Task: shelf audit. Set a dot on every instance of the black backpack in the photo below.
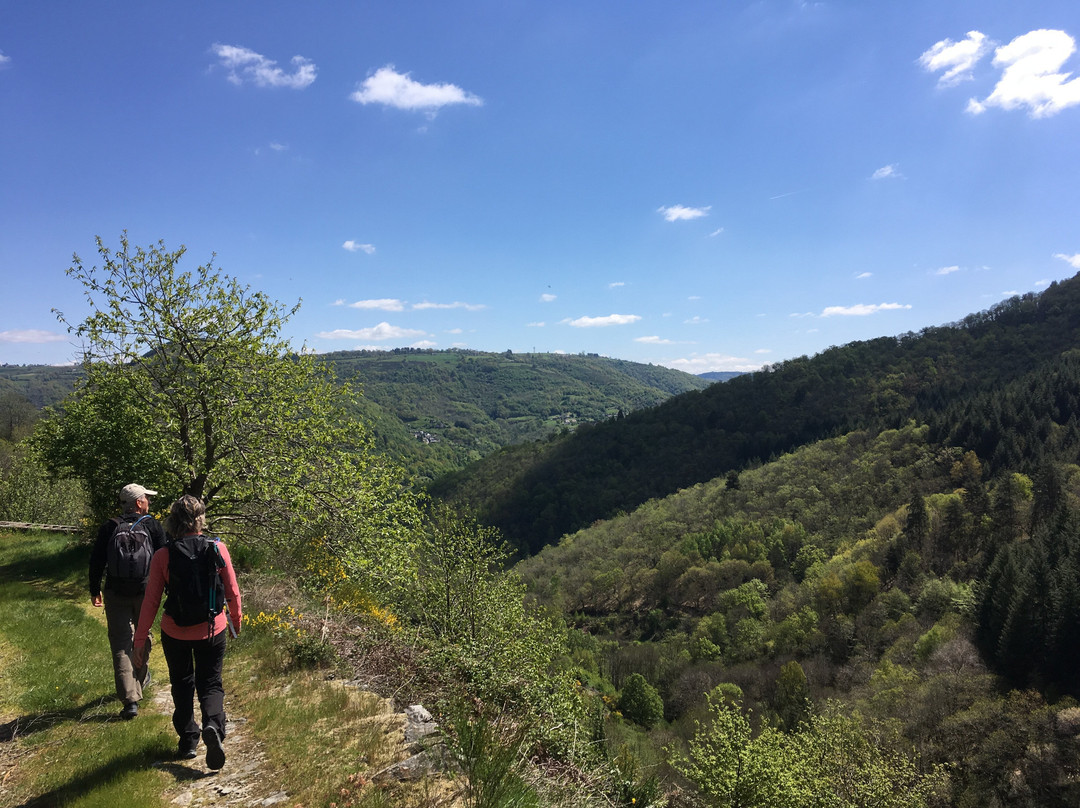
(128, 556)
(196, 593)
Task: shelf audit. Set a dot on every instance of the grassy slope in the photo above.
(61, 743)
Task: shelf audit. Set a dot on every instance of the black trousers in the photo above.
(195, 667)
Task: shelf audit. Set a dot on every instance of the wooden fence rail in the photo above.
(28, 526)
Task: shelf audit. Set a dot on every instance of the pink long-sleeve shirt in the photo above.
(155, 587)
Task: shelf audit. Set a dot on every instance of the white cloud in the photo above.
(716, 232)
(383, 331)
(275, 146)
(696, 320)
(244, 64)
(4, 59)
(454, 305)
(947, 270)
(424, 343)
(599, 322)
(957, 59)
(354, 246)
(540, 324)
(889, 172)
(31, 335)
(763, 351)
(382, 304)
(1043, 282)
(676, 213)
(1032, 76)
(616, 284)
(861, 309)
(654, 340)
(387, 86)
(1071, 260)
(547, 298)
(862, 275)
(706, 363)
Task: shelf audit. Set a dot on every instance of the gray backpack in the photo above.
(128, 556)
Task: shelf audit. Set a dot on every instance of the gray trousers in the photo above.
(122, 616)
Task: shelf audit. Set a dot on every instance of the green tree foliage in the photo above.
(188, 387)
(1007, 379)
(640, 702)
(29, 493)
(835, 760)
(791, 701)
(1030, 606)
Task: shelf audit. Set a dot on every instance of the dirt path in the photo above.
(243, 781)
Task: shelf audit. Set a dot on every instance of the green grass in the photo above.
(57, 702)
(62, 743)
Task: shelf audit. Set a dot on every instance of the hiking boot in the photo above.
(215, 752)
(186, 751)
(131, 709)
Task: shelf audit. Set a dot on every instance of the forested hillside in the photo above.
(438, 410)
(946, 376)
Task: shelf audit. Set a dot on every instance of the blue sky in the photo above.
(702, 185)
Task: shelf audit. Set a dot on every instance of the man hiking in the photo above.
(123, 549)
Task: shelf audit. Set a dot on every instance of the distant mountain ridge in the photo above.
(436, 411)
(537, 494)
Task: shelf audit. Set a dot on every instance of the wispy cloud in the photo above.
(861, 309)
(1071, 260)
(616, 284)
(716, 232)
(454, 305)
(956, 59)
(706, 363)
(947, 270)
(600, 322)
(4, 59)
(380, 332)
(355, 246)
(863, 275)
(399, 90)
(889, 172)
(245, 65)
(31, 335)
(654, 340)
(547, 297)
(1032, 78)
(379, 304)
(676, 213)
(696, 320)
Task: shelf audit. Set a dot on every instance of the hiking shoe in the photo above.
(186, 751)
(215, 752)
(131, 709)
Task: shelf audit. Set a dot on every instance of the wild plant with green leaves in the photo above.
(190, 388)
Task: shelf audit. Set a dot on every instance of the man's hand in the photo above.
(96, 600)
(138, 656)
